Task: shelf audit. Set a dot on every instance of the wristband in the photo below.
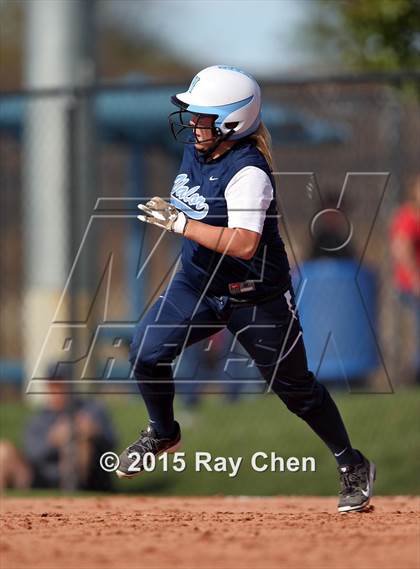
(180, 223)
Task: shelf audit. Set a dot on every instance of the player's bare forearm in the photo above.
(236, 242)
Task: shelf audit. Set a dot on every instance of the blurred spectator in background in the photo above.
(62, 445)
(405, 247)
(340, 330)
(198, 365)
(205, 362)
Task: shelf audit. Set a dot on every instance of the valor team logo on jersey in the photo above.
(188, 199)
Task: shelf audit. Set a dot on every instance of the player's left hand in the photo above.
(163, 214)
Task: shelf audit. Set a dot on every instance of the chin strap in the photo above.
(205, 154)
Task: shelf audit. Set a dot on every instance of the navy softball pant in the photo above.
(270, 332)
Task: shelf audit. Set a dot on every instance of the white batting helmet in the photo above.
(229, 94)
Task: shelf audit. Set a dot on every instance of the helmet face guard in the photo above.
(184, 129)
(186, 133)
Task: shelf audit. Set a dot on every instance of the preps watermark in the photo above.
(203, 461)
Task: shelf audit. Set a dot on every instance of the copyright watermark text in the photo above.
(203, 461)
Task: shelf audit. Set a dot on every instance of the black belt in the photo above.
(258, 299)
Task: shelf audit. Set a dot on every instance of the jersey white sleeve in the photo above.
(248, 196)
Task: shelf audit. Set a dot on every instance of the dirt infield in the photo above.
(133, 532)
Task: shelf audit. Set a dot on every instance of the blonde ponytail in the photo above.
(262, 140)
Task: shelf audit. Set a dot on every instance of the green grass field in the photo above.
(385, 427)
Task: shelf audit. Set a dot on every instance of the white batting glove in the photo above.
(163, 214)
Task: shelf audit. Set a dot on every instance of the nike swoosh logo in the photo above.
(212, 179)
(340, 453)
(366, 492)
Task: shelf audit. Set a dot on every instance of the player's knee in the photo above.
(142, 354)
(301, 396)
(148, 363)
(300, 406)
(144, 364)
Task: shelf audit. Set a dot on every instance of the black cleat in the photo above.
(356, 485)
(131, 460)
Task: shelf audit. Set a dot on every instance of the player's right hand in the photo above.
(163, 214)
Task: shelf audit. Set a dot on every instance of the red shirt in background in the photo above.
(406, 223)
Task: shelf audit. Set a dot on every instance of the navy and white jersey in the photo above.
(206, 192)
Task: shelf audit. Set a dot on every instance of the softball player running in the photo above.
(234, 273)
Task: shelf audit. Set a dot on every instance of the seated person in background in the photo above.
(62, 445)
